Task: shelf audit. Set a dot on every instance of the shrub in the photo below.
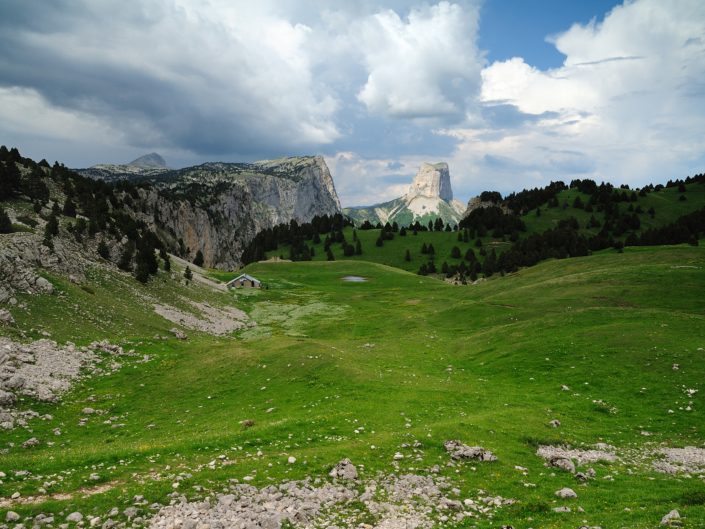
(69, 208)
(682, 198)
(142, 274)
(248, 424)
(88, 289)
(347, 252)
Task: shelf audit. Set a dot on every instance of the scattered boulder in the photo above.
(45, 394)
(130, 512)
(565, 388)
(563, 463)
(458, 450)
(345, 470)
(566, 493)
(11, 517)
(555, 423)
(87, 411)
(561, 509)
(6, 318)
(179, 334)
(44, 286)
(7, 399)
(74, 517)
(671, 518)
(30, 442)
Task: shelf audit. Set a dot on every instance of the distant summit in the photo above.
(149, 159)
(430, 196)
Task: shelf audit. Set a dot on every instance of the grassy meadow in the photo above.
(397, 358)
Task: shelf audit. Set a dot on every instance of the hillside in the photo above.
(666, 203)
(214, 209)
(366, 371)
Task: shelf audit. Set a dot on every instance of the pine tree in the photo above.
(198, 261)
(431, 249)
(358, 247)
(424, 248)
(316, 238)
(330, 255)
(354, 235)
(431, 267)
(538, 212)
(188, 274)
(380, 241)
(407, 256)
(142, 273)
(465, 235)
(455, 252)
(167, 263)
(460, 237)
(444, 267)
(305, 255)
(402, 232)
(69, 208)
(470, 255)
(478, 243)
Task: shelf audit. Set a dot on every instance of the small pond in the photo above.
(355, 279)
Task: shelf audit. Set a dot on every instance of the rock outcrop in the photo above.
(430, 196)
(432, 180)
(476, 203)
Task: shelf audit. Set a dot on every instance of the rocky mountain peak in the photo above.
(432, 180)
(149, 159)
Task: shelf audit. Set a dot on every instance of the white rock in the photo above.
(291, 460)
(74, 517)
(673, 515)
(566, 493)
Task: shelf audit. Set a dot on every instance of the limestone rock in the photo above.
(555, 423)
(7, 399)
(458, 450)
(671, 518)
(181, 335)
(74, 517)
(6, 318)
(344, 470)
(11, 517)
(566, 493)
(432, 181)
(563, 463)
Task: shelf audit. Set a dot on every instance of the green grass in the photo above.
(616, 321)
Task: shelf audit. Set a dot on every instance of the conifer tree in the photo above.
(478, 243)
(330, 255)
(465, 235)
(316, 238)
(380, 241)
(424, 248)
(354, 235)
(402, 232)
(358, 247)
(188, 274)
(407, 256)
(460, 237)
(167, 263)
(431, 249)
(198, 261)
(455, 252)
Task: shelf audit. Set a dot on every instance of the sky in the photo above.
(511, 94)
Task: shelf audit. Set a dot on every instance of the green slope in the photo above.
(610, 327)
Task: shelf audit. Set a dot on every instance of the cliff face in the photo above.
(218, 208)
(432, 181)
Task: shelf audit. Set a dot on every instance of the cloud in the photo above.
(427, 66)
(216, 77)
(626, 106)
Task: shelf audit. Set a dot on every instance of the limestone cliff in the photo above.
(218, 207)
(430, 196)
